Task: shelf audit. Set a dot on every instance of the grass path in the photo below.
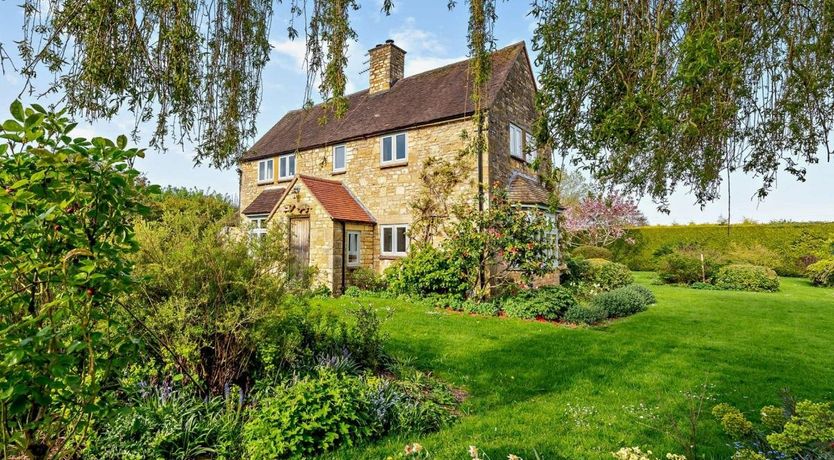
(564, 392)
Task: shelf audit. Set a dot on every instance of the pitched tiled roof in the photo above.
(526, 190)
(439, 94)
(336, 199)
(265, 202)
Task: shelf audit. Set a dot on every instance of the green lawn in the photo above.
(565, 392)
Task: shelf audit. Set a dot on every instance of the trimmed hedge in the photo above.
(607, 275)
(621, 302)
(746, 277)
(822, 273)
(797, 244)
(592, 252)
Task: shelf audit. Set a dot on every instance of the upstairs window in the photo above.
(516, 140)
(265, 171)
(394, 240)
(352, 249)
(286, 166)
(257, 229)
(530, 147)
(339, 158)
(394, 148)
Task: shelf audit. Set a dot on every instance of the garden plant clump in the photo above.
(744, 277)
(821, 273)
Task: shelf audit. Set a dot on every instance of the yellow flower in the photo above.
(473, 452)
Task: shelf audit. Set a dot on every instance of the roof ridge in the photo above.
(320, 179)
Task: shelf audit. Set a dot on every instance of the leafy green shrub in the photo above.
(352, 291)
(366, 279)
(642, 291)
(166, 424)
(549, 303)
(582, 314)
(576, 270)
(821, 273)
(621, 302)
(485, 308)
(742, 277)
(306, 418)
(606, 275)
(753, 253)
(427, 270)
(592, 252)
(684, 267)
(801, 430)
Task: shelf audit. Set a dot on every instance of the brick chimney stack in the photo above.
(387, 66)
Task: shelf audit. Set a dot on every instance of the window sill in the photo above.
(285, 180)
(393, 164)
(266, 182)
(391, 256)
(339, 172)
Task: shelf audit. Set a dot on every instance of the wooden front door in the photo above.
(300, 243)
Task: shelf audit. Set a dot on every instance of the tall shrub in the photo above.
(67, 207)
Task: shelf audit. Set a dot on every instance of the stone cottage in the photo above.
(344, 188)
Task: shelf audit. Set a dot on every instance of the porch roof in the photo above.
(265, 202)
(526, 190)
(337, 200)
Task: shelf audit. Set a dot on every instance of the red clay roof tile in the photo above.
(265, 202)
(336, 199)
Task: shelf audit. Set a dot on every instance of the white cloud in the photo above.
(291, 53)
(416, 40)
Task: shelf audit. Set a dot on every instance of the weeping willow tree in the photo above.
(193, 68)
(659, 95)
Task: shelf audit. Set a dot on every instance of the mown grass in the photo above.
(565, 393)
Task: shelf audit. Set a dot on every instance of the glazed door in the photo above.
(300, 243)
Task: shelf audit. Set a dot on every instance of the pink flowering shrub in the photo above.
(602, 220)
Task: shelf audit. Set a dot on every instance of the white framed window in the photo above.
(339, 158)
(286, 166)
(266, 172)
(353, 249)
(394, 148)
(530, 148)
(516, 140)
(394, 239)
(257, 229)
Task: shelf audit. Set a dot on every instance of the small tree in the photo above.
(502, 238)
(67, 207)
(601, 220)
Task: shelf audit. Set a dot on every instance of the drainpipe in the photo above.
(344, 255)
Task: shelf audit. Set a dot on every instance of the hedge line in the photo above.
(798, 244)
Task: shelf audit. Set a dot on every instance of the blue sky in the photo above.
(432, 36)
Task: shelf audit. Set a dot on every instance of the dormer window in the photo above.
(265, 171)
(286, 166)
(394, 149)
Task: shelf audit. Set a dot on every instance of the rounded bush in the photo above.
(549, 302)
(592, 252)
(685, 268)
(581, 314)
(427, 270)
(642, 291)
(606, 275)
(745, 277)
(821, 273)
(313, 415)
(621, 302)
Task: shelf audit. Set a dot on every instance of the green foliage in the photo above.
(366, 279)
(621, 302)
(592, 252)
(803, 429)
(796, 244)
(605, 275)
(585, 314)
(165, 424)
(67, 207)
(753, 254)
(485, 308)
(310, 416)
(822, 273)
(352, 291)
(576, 270)
(549, 303)
(206, 294)
(677, 108)
(686, 267)
(427, 270)
(644, 292)
(743, 277)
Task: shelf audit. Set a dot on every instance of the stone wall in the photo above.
(387, 65)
